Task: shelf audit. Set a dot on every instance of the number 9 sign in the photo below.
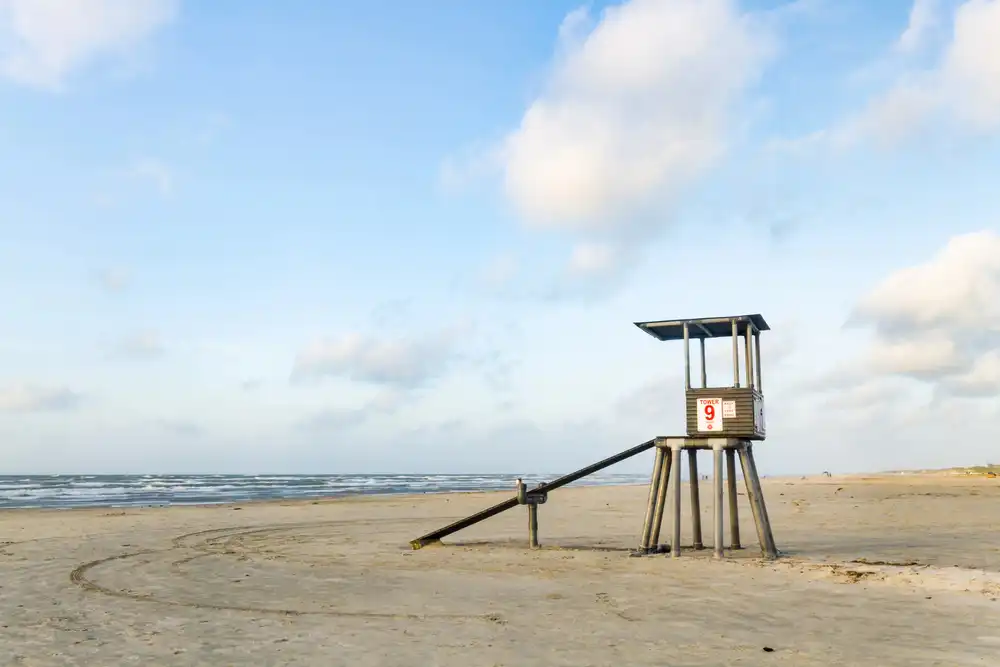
(709, 414)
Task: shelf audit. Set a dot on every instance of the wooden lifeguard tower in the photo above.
(726, 419)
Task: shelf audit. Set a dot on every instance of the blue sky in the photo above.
(318, 237)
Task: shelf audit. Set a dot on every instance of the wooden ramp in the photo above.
(541, 489)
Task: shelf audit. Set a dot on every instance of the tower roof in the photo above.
(703, 327)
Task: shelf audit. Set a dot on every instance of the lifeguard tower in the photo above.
(725, 419)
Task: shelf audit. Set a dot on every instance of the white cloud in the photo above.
(653, 399)
(403, 363)
(588, 259)
(964, 86)
(181, 428)
(892, 117)
(880, 400)
(391, 312)
(638, 104)
(140, 345)
(500, 270)
(939, 321)
(155, 172)
(114, 280)
(923, 18)
(32, 398)
(930, 355)
(981, 380)
(635, 109)
(971, 69)
(386, 402)
(957, 288)
(44, 41)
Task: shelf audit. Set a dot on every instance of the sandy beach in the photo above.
(879, 570)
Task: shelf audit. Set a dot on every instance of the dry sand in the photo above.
(334, 583)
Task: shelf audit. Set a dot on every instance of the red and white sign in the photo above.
(709, 415)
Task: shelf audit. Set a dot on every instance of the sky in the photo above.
(414, 237)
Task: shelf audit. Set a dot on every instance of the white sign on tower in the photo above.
(758, 415)
(709, 415)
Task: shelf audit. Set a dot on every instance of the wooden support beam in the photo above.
(661, 498)
(533, 525)
(695, 500)
(734, 515)
(756, 496)
(645, 542)
(435, 536)
(717, 454)
(767, 543)
(675, 480)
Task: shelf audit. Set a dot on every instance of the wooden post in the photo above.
(755, 495)
(687, 357)
(756, 342)
(533, 524)
(654, 487)
(748, 355)
(695, 501)
(734, 516)
(736, 355)
(718, 498)
(661, 499)
(675, 479)
(704, 368)
(768, 545)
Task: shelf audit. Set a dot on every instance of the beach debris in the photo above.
(768, 649)
(888, 563)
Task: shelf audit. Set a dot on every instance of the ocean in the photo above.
(67, 491)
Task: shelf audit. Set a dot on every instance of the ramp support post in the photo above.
(532, 500)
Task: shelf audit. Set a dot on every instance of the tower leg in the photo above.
(756, 496)
(772, 549)
(734, 515)
(654, 486)
(675, 480)
(695, 501)
(661, 499)
(718, 497)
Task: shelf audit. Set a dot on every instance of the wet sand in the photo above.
(887, 571)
